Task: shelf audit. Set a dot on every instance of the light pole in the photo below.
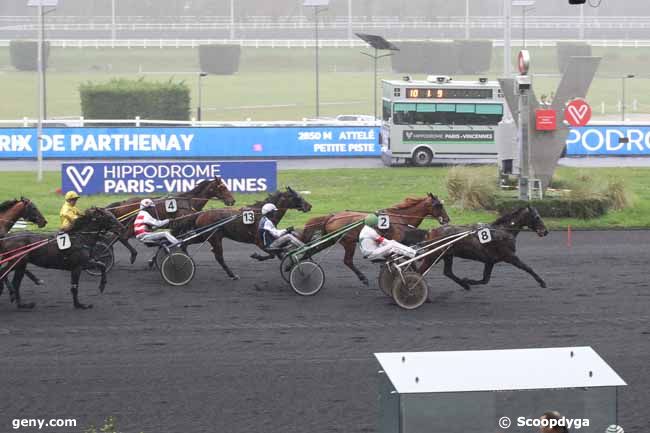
(526, 6)
(377, 43)
(623, 95)
(507, 38)
(319, 6)
(232, 19)
(200, 96)
(466, 19)
(41, 4)
(113, 29)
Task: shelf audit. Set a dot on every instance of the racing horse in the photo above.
(237, 230)
(13, 210)
(187, 202)
(502, 247)
(46, 252)
(403, 217)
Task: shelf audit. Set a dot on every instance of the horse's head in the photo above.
(438, 209)
(290, 199)
(219, 190)
(32, 214)
(97, 220)
(535, 222)
(526, 216)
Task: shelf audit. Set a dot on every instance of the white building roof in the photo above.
(497, 370)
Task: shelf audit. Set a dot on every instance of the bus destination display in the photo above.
(443, 93)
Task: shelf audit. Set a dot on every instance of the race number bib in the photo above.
(171, 206)
(384, 222)
(63, 241)
(484, 236)
(248, 217)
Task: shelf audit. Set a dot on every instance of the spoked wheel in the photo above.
(386, 279)
(101, 252)
(411, 292)
(286, 265)
(177, 269)
(307, 278)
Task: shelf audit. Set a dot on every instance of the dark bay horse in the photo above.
(187, 202)
(403, 216)
(237, 230)
(13, 210)
(76, 257)
(501, 248)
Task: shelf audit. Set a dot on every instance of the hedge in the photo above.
(566, 50)
(126, 99)
(219, 59)
(557, 208)
(24, 54)
(432, 57)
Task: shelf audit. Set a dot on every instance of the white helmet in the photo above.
(267, 208)
(147, 202)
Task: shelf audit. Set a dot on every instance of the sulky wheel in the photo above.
(411, 291)
(177, 269)
(101, 252)
(386, 279)
(307, 278)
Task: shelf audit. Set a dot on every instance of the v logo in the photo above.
(578, 113)
(81, 178)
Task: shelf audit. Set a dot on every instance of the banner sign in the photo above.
(609, 140)
(191, 142)
(159, 178)
(446, 136)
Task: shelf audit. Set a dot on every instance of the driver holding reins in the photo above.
(144, 225)
(271, 237)
(375, 246)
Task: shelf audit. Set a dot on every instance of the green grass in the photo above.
(363, 189)
(277, 84)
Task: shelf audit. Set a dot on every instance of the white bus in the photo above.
(438, 118)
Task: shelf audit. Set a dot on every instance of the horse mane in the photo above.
(6, 205)
(408, 202)
(269, 199)
(83, 219)
(198, 188)
(507, 217)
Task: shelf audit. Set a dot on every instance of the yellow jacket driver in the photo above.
(69, 211)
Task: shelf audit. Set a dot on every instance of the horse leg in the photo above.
(19, 272)
(102, 268)
(487, 273)
(75, 274)
(34, 278)
(348, 260)
(217, 250)
(449, 273)
(124, 240)
(516, 262)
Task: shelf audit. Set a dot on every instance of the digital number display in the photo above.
(440, 93)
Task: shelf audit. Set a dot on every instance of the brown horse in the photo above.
(237, 230)
(409, 213)
(13, 210)
(501, 248)
(187, 202)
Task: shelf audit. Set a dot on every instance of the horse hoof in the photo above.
(26, 306)
(83, 306)
(542, 285)
(365, 283)
(101, 288)
(132, 259)
(39, 282)
(234, 277)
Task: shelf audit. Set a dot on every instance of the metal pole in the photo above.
(316, 61)
(198, 109)
(41, 95)
(507, 38)
(582, 22)
(113, 29)
(232, 19)
(375, 84)
(466, 19)
(623, 100)
(349, 19)
(523, 18)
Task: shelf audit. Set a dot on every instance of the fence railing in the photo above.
(302, 43)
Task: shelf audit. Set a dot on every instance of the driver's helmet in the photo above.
(268, 208)
(71, 195)
(146, 203)
(371, 220)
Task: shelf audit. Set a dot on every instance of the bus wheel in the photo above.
(422, 157)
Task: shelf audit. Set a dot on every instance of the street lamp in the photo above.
(526, 6)
(623, 95)
(378, 43)
(319, 6)
(41, 4)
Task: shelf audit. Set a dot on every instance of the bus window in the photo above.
(386, 111)
(447, 114)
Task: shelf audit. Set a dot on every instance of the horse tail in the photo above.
(314, 226)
